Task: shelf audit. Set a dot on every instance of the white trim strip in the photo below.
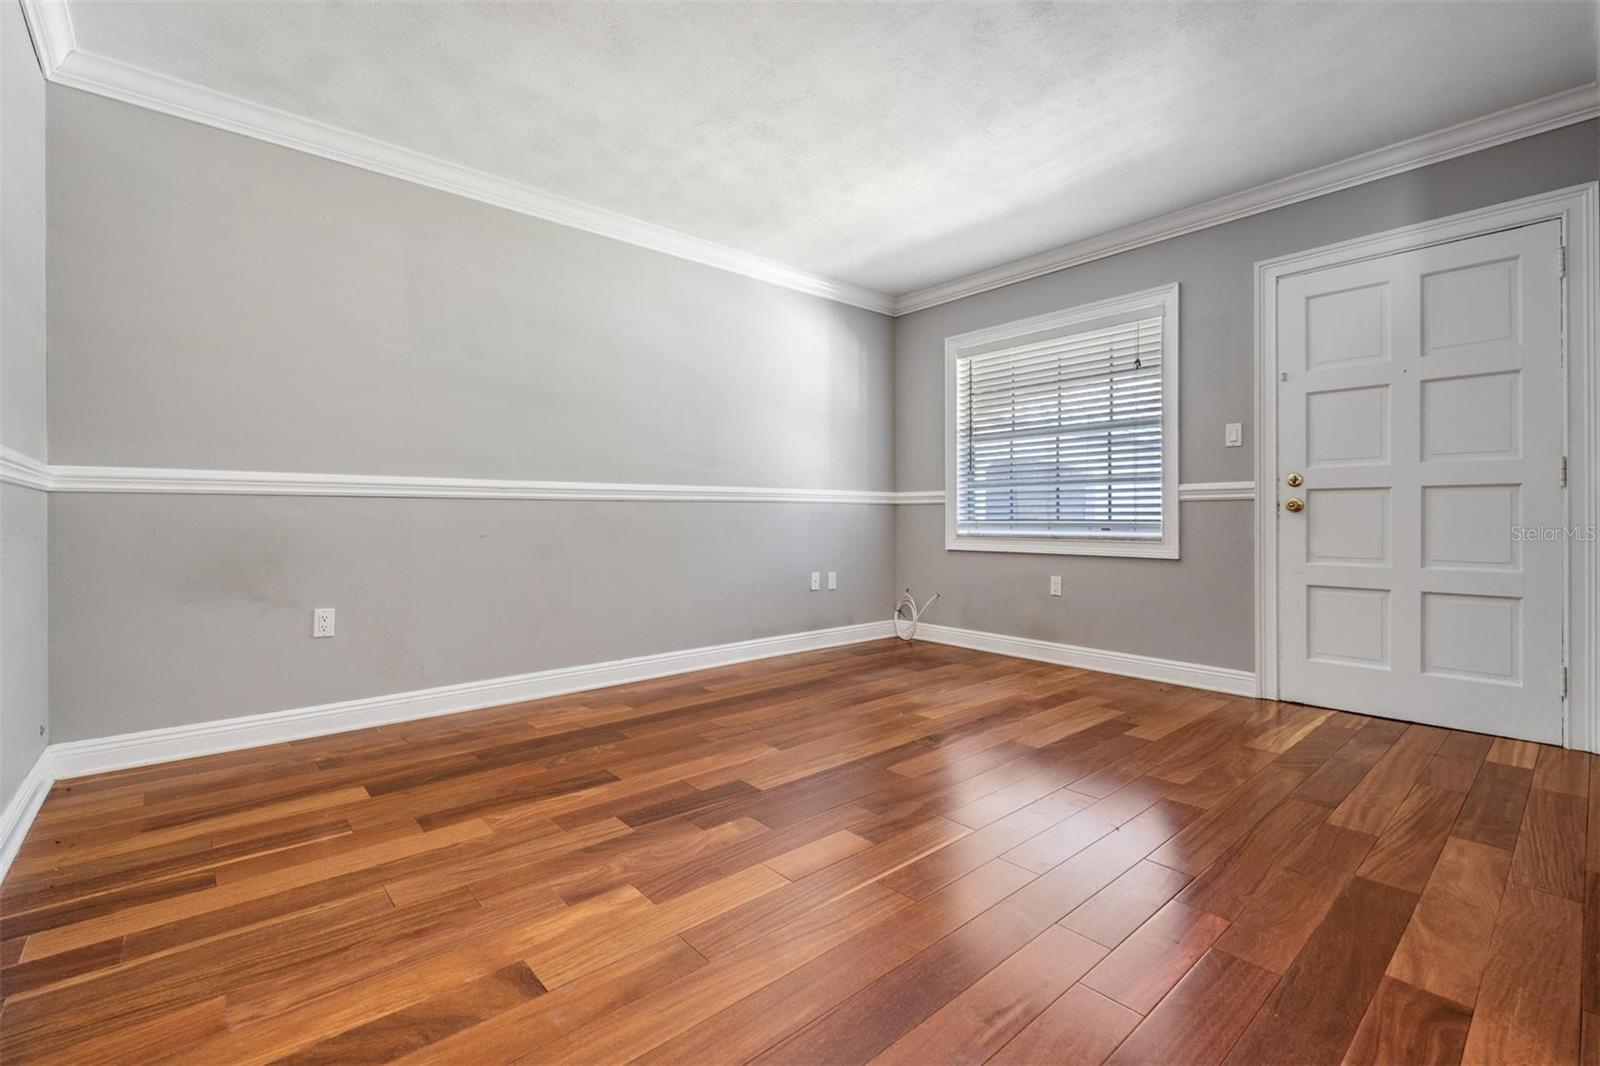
(80, 757)
(1525, 120)
(17, 816)
(1193, 675)
(273, 483)
(24, 470)
(19, 469)
(1188, 492)
(1198, 491)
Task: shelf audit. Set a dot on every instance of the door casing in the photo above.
(1578, 210)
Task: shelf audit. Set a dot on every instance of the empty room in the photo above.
(799, 532)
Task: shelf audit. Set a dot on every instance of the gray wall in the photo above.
(218, 302)
(22, 238)
(221, 302)
(1199, 608)
(24, 669)
(183, 608)
(24, 626)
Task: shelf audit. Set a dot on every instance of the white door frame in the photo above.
(1578, 210)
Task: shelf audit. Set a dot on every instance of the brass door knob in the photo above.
(1294, 481)
(1293, 504)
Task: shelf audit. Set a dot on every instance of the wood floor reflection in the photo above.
(889, 853)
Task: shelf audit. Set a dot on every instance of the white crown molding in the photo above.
(66, 64)
(24, 470)
(1192, 675)
(80, 757)
(63, 62)
(1525, 120)
(18, 814)
(50, 26)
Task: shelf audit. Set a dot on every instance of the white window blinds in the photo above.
(1063, 437)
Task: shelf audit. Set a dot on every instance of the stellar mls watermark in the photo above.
(1555, 534)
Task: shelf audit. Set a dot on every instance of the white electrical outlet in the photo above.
(833, 580)
(816, 580)
(322, 622)
(1055, 584)
(1233, 435)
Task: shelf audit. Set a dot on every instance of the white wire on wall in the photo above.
(907, 614)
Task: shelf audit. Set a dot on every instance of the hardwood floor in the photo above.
(885, 853)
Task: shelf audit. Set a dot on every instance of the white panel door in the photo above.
(1420, 399)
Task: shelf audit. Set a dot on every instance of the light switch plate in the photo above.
(1233, 435)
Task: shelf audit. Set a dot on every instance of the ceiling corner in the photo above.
(50, 26)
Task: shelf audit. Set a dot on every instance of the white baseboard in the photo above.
(17, 816)
(1192, 675)
(80, 757)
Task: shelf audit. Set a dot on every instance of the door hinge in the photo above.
(1561, 261)
(1563, 471)
(1563, 682)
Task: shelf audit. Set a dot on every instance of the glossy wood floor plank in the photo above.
(1081, 1026)
(1549, 852)
(1527, 1008)
(1111, 914)
(974, 1025)
(1313, 1014)
(1144, 967)
(1202, 1017)
(1492, 813)
(1286, 908)
(1407, 1025)
(909, 853)
(1446, 946)
(1405, 854)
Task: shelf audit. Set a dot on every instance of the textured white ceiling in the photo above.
(889, 145)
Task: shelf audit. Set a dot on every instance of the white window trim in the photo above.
(1165, 297)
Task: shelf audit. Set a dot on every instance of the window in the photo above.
(1062, 431)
